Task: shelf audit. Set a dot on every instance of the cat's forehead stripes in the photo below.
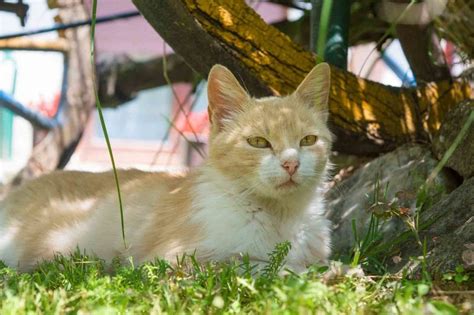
(281, 120)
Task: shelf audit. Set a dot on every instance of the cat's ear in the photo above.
(314, 90)
(225, 94)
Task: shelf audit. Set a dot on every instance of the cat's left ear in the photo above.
(225, 94)
(314, 90)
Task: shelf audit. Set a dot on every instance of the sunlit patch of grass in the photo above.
(84, 284)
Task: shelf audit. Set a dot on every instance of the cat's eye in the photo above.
(308, 140)
(259, 142)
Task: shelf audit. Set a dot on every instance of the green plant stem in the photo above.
(323, 27)
(315, 18)
(102, 121)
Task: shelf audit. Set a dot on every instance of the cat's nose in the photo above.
(291, 166)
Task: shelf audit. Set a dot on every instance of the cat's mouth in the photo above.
(288, 184)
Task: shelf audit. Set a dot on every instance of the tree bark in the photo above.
(194, 44)
(23, 43)
(367, 117)
(120, 79)
(456, 24)
(54, 146)
(423, 52)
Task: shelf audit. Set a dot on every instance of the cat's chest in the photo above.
(230, 227)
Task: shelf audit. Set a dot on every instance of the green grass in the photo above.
(79, 284)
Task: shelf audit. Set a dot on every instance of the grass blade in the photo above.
(102, 121)
(323, 27)
(452, 148)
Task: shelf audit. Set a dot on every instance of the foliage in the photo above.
(459, 275)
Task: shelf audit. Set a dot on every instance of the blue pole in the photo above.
(406, 76)
(32, 116)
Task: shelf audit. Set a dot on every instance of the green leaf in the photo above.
(448, 276)
(443, 308)
(423, 289)
(459, 269)
(460, 278)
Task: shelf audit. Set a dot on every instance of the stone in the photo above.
(387, 186)
(448, 231)
(462, 159)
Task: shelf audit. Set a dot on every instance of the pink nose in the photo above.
(291, 166)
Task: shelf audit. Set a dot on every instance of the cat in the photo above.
(261, 185)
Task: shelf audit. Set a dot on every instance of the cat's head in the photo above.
(274, 146)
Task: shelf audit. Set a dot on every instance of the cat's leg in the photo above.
(312, 244)
(8, 248)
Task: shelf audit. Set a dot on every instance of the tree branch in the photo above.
(423, 52)
(180, 30)
(366, 116)
(120, 79)
(23, 43)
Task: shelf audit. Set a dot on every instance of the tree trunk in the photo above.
(418, 39)
(367, 117)
(54, 146)
(423, 52)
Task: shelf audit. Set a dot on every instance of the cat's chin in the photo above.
(282, 190)
(288, 185)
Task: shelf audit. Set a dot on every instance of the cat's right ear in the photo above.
(314, 90)
(225, 94)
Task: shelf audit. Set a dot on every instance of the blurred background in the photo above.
(155, 106)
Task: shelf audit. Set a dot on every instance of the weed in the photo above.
(459, 275)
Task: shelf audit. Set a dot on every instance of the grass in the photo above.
(79, 284)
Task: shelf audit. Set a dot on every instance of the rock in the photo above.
(449, 233)
(384, 186)
(462, 160)
(467, 255)
(344, 165)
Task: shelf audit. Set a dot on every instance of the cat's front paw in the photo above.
(338, 270)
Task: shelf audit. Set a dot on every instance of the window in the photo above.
(200, 105)
(146, 118)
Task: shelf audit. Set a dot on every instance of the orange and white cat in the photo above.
(260, 186)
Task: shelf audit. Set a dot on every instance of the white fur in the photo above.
(235, 223)
(271, 174)
(7, 245)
